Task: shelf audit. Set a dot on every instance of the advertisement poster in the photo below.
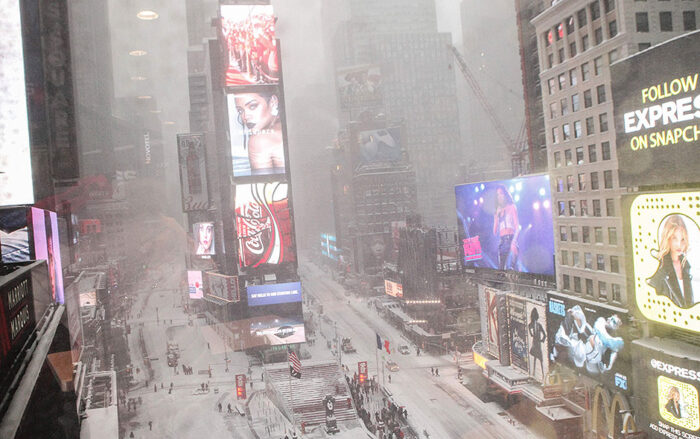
(393, 288)
(538, 359)
(249, 35)
(377, 249)
(665, 233)
(494, 309)
(53, 248)
(193, 172)
(222, 287)
(379, 146)
(264, 224)
(14, 235)
(273, 294)
(194, 282)
(203, 234)
(255, 129)
(517, 328)
(507, 225)
(589, 338)
(656, 103)
(359, 86)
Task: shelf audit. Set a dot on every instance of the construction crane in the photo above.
(517, 147)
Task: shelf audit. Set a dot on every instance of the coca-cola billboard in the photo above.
(264, 224)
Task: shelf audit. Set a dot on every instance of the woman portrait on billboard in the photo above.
(673, 405)
(204, 234)
(538, 335)
(506, 227)
(672, 277)
(259, 115)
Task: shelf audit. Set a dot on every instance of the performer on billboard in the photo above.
(507, 228)
(259, 114)
(204, 232)
(673, 405)
(538, 336)
(672, 278)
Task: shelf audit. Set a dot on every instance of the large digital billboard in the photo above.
(203, 234)
(379, 146)
(517, 330)
(359, 86)
(14, 235)
(664, 245)
(507, 225)
(255, 129)
(666, 375)
(376, 249)
(394, 289)
(656, 104)
(193, 172)
(15, 158)
(589, 338)
(195, 284)
(264, 224)
(538, 360)
(222, 287)
(249, 35)
(273, 294)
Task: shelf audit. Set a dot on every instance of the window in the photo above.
(576, 260)
(567, 131)
(595, 10)
(614, 264)
(612, 236)
(578, 132)
(602, 290)
(596, 207)
(548, 38)
(587, 99)
(607, 179)
(555, 135)
(551, 86)
(612, 56)
(590, 128)
(579, 155)
(592, 154)
(598, 36)
(665, 21)
(603, 120)
(559, 31)
(557, 159)
(567, 157)
(584, 207)
(552, 110)
(562, 81)
(562, 208)
(586, 235)
(572, 209)
(642, 20)
(566, 283)
(569, 183)
(608, 5)
(562, 233)
(600, 92)
(564, 257)
(550, 60)
(689, 22)
(612, 28)
(560, 184)
(572, 49)
(643, 46)
(585, 71)
(570, 25)
(562, 57)
(597, 65)
(598, 234)
(582, 182)
(575, 105)
(594, 182)
(616, 294)
(589, 287)
(585, 44)
(564, 107)
(610, 206)
(600, 259)
(605, 148)
(573, 77)
(574, 234)
(581, 17)
(577, 284)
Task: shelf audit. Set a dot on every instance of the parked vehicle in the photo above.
(392, 366)
(404, 349)
(347, 346)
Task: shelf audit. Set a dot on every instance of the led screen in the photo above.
(203, 234)
(272, 294)
(538, 360)
(507, 225)
(376, 249)
(379, 146)
(589, 339)
(393, 288)
(15, 158)
(492, 306)
(194, 282)
(656, 101)
(264, 224)
(665, 233)
(359, 86)
(255, 128)
(328, 246)
(517, 329)
(14, 235)
(249, 35)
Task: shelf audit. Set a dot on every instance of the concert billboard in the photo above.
(273, 294)
(193, 172)
(507, 225)
(517, 329)
(222, 287)
(590, 338)
(656, 103)
(379, 146)
(359, 86)
(666, 375)
(204, 242)
(15, 156)
(255, 131)
(195, 284)
(14, 235)
(663, 232)
(393, 288)
(264, 225)
(248, 33)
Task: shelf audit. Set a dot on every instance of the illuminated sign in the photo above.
(393, 288)
(656, 99)
(329, 247)
(480, 360)
(240, 387)
(222, 287)
(664, 233)
(362, 371)
(359, 86)
(203, 234)
(517, 328)
(272, 294)
(194, 282)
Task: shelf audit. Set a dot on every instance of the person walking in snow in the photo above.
(219, 407)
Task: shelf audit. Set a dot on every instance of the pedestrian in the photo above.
(432, 371)
(132, 434)
(171, 384)
(229, 407)
(389, 378)
(146, 383)
(208, 347)
(161, 384)
(150, 425)
(219, 407)
(437, 372)
(155, 388)
(140, 401)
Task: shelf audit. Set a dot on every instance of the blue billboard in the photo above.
(507, 225)
(273, 294)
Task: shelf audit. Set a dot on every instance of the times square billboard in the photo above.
(656, 103)
(662, 243)
(527, 331)
(507, 225)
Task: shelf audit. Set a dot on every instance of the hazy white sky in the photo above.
(449, 19)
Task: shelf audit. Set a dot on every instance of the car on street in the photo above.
(392, 366)
(404, 349)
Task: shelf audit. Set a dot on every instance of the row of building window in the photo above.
(588, 261)
(569, 208)
(665, 21)
(576, 129)
(602, 288)
(563, 108)
(581, 18)
(580, 159)
(571, 184)
(586, 237)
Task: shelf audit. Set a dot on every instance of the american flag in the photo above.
(294, 364)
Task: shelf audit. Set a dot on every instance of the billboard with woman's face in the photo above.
(203, 234)
(664, 235)
(255, 128)
(507, 225)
